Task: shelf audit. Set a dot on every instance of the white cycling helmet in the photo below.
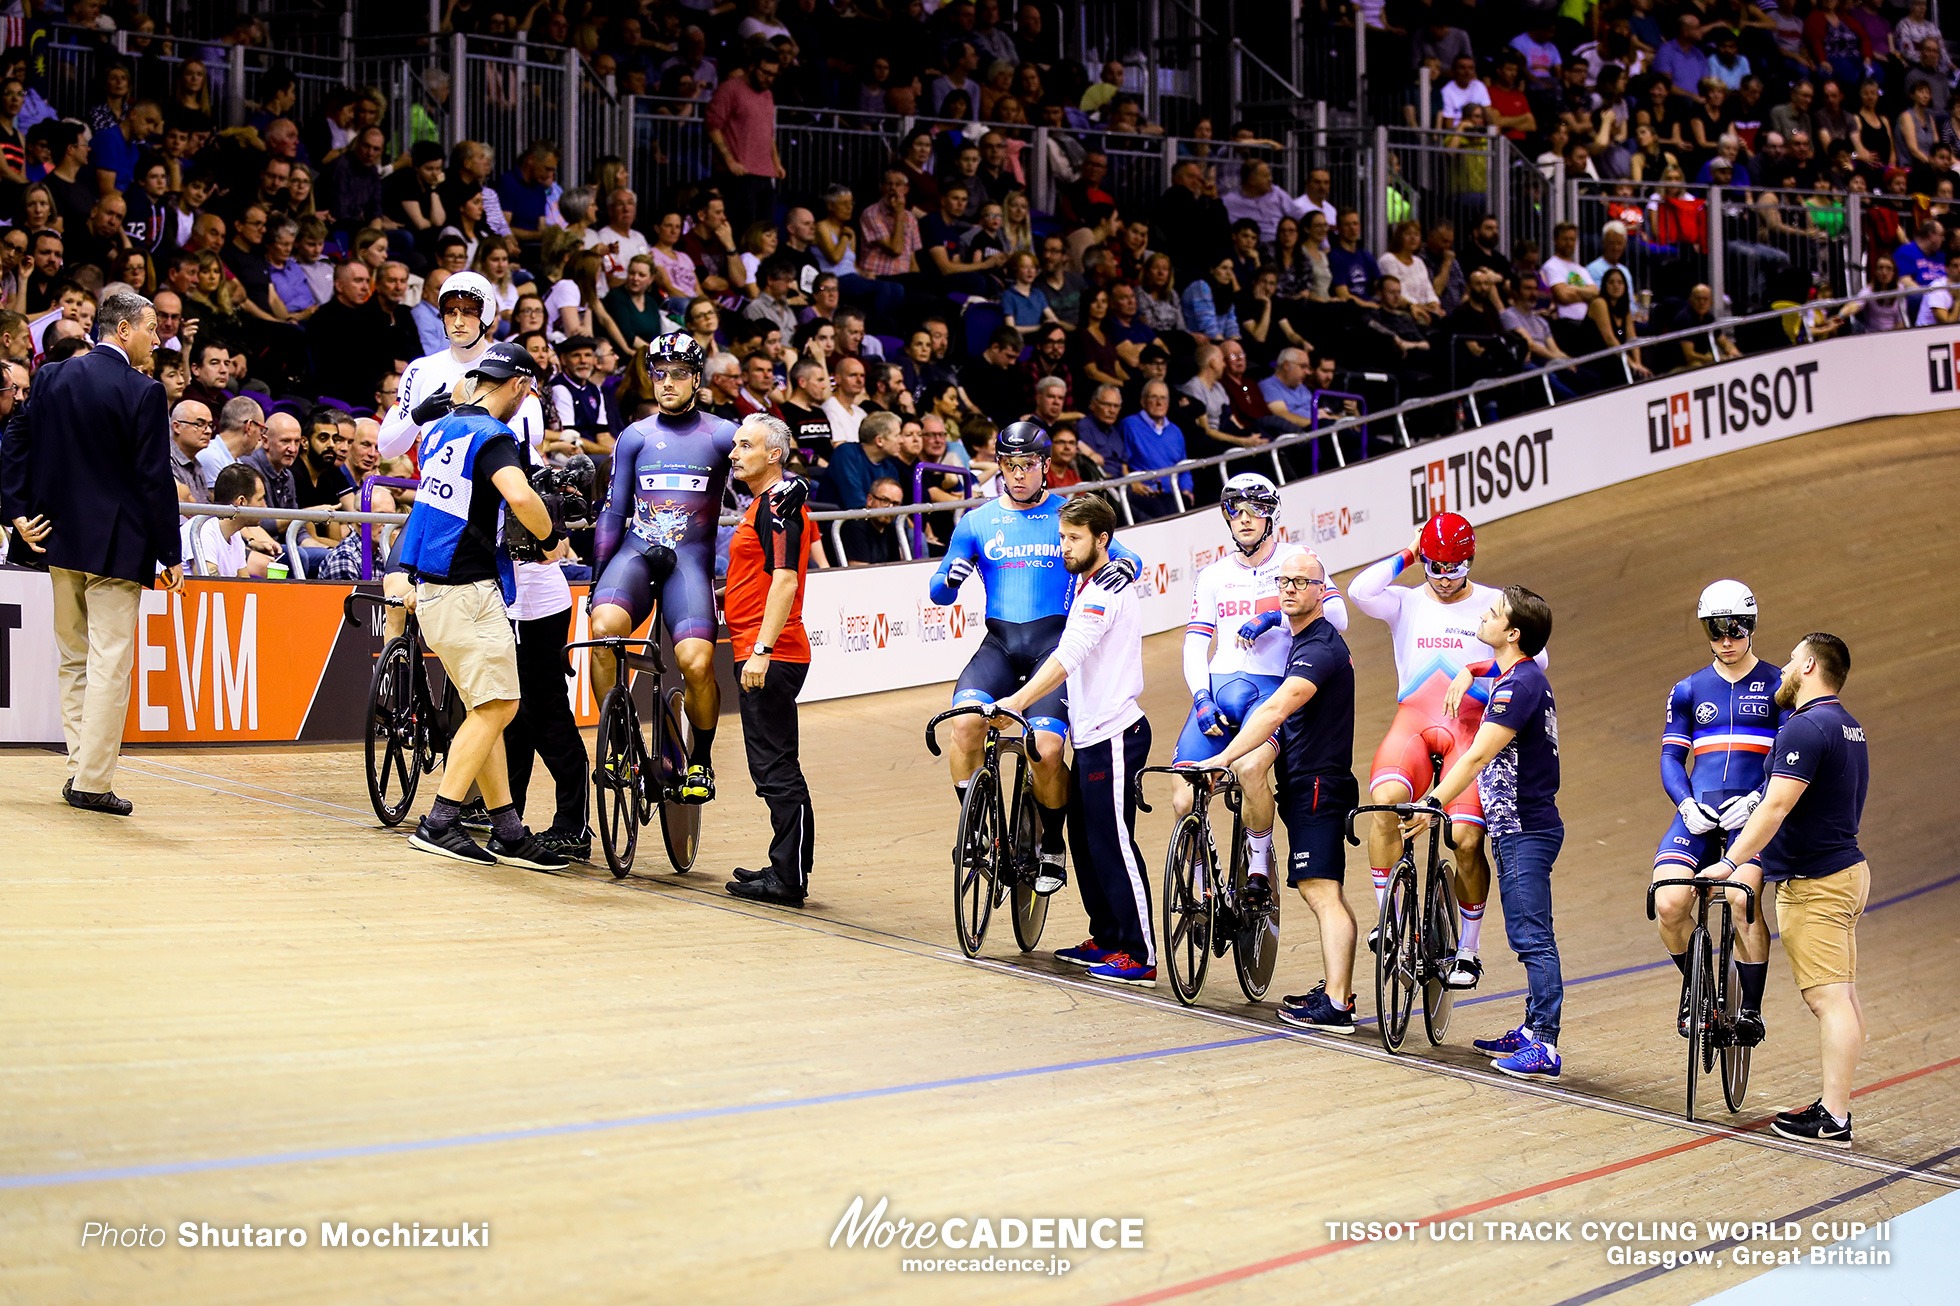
(1727, 607)
(1250, 489)
(475, 286)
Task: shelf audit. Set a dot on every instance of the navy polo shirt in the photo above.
(1519, 787)
(1318, 740)
(1823, 746)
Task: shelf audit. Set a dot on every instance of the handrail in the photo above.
(367, 505)
(919, 496)
(1158, 473)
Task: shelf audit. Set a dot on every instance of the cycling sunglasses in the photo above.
(1729, 627)
(678, 373)
(1445, 570)
(1021, 463)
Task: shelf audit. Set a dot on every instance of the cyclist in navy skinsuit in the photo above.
(668, 471)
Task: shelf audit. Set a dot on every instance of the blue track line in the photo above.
(60, 1178)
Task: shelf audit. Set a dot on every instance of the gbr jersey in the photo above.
(1228, 594)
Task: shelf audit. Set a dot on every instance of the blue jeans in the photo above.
(1524, 885)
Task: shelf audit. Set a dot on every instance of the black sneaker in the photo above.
(743, 875)
(767, 888)
(1814, 1125)
(475, 816)
(1319, 1012)
(528, 852)
(1748, 1029)
(572, 845)
(1258, 892)
(453, 842)
(1302, 999)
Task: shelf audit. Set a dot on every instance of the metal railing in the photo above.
(1269, 451)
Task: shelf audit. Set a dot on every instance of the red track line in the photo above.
(1551, 1185)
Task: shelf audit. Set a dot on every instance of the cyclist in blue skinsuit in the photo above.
(669, 471)
(1725, 716)
(1014, 543)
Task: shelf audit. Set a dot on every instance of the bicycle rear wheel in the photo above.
(1030, 908)
(1255, 947)
(1700, 1008)
(393, 733)
(617, 779)
(1189, 905)
(1439, 939)
(1395, 957)
(976, 862)
(680, 823)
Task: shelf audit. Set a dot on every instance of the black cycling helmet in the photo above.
(500, 362)
(678, 347)
(1021, 438)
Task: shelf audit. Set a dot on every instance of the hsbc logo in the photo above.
(1745, 403)
(1939, 367)
(1333, 523)
(1484, 475)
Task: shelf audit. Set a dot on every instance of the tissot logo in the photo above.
(1734, 406)
(1939, 366)
(1491, 471)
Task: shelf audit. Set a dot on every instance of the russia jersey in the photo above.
(1228, 593)
(1433, 640)
(668, 473)
(1018, 554)
(1727, 728)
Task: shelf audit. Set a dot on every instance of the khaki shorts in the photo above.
(466, 626)
(1819, 920)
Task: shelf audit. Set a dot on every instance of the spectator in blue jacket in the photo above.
(1208, 303)
(1151, 440)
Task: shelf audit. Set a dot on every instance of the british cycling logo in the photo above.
(1939, 366)
(1489, 472)
(1333, 523)
(864, 632)
(1730, 407)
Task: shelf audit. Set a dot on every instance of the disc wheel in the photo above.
(976, 856)
(1735, 1057)
(1700, 1007)
(1255, 944)
(1030, 908)
(617, 780)
(680, 823)
(1439, 943)
(1189, 909)
(1395, 958)
(393, 734)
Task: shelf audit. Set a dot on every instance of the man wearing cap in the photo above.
(471, 467)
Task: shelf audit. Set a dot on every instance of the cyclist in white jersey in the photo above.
(1235, 649)
(1439, 663)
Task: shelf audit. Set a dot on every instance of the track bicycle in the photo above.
(1417, 943)
(1714, 987)
(996, 855)
(628, 781)
(1205, 913)
(408, 725)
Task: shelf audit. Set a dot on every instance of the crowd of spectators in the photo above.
(896, 321)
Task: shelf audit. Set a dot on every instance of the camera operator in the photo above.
(544, 726)
(471, 466)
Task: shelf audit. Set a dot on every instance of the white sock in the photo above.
(1841, 1121)
(1381, 884)
(1259, 844)
(1473, 928)
(1551, 1048)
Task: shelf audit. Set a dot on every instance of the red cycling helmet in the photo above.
(1447, 537)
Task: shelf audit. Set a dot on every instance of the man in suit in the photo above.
(85, 477)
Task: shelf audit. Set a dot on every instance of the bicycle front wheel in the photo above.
(617, 780)
(393, 768)
(1030, 908)
(1395, 957)
(976, 862)
(1439, 939)
(1735, 1057)
(1189, 904)
(1701, 1008)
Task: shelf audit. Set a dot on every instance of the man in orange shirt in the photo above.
(767, 560)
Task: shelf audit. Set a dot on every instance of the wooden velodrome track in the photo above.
(248, 1005)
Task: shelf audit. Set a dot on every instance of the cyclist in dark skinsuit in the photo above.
(668, 471)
